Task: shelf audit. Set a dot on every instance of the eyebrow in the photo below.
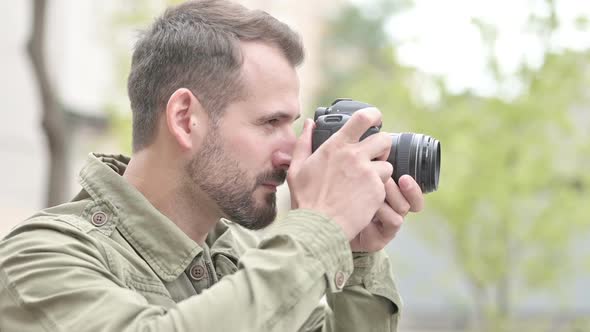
(278, 115)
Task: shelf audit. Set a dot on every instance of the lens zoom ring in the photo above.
(402, 159)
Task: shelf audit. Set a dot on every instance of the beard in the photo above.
(231, 187)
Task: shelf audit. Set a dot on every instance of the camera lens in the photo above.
(417, 155)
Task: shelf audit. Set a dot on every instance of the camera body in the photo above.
(329, 120)
(415, 154)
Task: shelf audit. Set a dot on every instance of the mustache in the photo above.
(278, 175)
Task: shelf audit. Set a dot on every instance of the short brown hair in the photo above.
(195, 45)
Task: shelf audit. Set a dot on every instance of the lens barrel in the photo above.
(417, 155)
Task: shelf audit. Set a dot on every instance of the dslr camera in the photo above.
(415, 154)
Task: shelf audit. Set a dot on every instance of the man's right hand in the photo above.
(344, 178)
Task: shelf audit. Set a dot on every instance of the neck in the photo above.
(164, 185)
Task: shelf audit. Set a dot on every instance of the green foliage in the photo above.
(580, 325)
(513, 186)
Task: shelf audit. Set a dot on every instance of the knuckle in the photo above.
(389, 169)
(404, 208)
(388, 141)
(349, 155)
(364, 172)
(363, 118)
(386, 137)
(398, 220)
(384, 170)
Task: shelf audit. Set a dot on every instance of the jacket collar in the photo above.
(155, 238)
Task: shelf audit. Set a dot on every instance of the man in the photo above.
(162, 242)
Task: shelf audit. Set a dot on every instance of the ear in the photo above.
(181, 118)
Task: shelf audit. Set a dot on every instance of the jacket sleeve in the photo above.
(55, 279)
(368, 302)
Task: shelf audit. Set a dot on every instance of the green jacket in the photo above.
(109, 261)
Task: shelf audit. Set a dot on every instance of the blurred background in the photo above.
(503, 245)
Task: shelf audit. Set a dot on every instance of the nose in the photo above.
(281, 158)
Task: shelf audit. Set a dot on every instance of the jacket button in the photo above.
(197, 272)
(340, 279)
(99, 218)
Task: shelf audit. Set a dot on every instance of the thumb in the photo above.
(303, 147)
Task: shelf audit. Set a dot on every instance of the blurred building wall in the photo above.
(21, 145)
(78, 68)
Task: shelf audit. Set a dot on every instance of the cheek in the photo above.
(250, 150)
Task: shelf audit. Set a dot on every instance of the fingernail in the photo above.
(406, 183)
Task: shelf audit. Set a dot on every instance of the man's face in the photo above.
(245, 157)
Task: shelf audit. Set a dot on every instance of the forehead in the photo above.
(268, 78)
(266, 62)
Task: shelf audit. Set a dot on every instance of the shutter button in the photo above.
(99, 218)
(197, 272)
(340, 279)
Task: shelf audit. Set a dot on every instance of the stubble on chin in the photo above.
(223, 180)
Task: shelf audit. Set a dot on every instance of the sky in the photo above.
(439, 38)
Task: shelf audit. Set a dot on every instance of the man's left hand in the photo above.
(390, 217)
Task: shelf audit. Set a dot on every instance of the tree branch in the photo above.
(53, 120)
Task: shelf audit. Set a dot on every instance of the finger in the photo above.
(395, 198)
(359, 123)
(377, 146)
(383, 169)
(390, 221)
(412, 192)
(302, 148)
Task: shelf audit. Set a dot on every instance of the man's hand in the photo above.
(344, 178)
(390, 216)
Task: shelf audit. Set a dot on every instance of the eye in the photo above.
(272, 122)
